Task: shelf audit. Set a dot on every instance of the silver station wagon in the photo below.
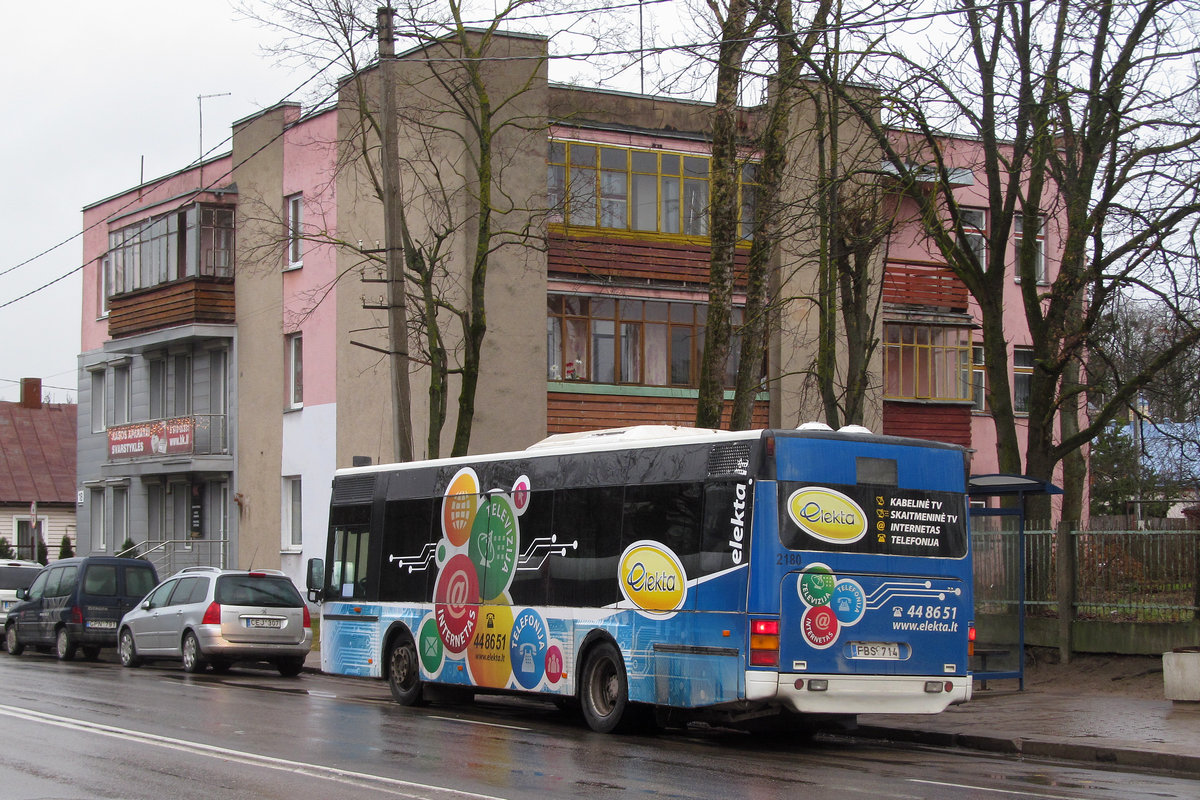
(206, 616)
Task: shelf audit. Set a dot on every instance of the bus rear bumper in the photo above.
(858, 694)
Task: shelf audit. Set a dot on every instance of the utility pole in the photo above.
(394, 236)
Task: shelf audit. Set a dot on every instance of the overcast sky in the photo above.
(104, 93)
(89, 90)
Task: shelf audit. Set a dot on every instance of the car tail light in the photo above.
(307, 618)
(212, 614)
(764, 642)
(75, 614)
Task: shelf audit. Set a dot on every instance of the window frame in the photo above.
(1039, 250)
(292, 533)
(975, 234)
(294, 211)
(1022, 379)
(927, 364)
(294, 367)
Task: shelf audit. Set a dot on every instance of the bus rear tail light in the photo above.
(212, 614)
(764, 643)
(970, 638)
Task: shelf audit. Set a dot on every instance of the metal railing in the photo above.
(171, 555)
(1120, 576)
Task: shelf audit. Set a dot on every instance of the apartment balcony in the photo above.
(923, 285)
(191, 443)
(195, 300)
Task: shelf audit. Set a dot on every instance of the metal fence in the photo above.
(1120, 576)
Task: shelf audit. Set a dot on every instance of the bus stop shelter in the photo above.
(1001, 564)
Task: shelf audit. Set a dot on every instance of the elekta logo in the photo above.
(827, 515)
(652, 577)
(737, 522)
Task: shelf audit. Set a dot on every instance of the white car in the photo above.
(15, 575)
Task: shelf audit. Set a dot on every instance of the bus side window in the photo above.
(406, 567)
(591, 519)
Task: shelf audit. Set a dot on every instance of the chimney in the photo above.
(31, 392)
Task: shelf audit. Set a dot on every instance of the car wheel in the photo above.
(604, 689)
(127, 650)
(193, 659)
(290, 667)
(64, 648)
(11, 644)
(404, 672)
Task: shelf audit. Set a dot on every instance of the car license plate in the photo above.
(259, 622)
(106, 624)
(877, 651)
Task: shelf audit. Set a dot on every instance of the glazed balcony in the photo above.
(196, 300)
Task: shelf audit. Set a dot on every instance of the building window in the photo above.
(122, 394)
(1022, 378)
(106, 285)
(29, 531)
(156, 373)
(98, 513)
(97, 400)
(295, 233)
(199, 240)
(978, 380)
(927, 362)
(974, 225)
(183, 385)
(293, 516)
(1039, 252)
(628, 341)
(120, 515)
(295, 370)
(620, 188)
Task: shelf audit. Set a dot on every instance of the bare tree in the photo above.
(1082, 112)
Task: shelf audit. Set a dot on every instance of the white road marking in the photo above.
(408, 789)
(989, 789)
(478, 722)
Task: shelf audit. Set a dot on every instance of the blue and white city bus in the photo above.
(728, 575)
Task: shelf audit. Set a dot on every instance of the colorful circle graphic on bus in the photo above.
(494, 545)
(820, 626)
(831, 604)
(849, 601)
(429, 647)
(520, 493)
(652, 577)
(528, 648)
(554, 664)
(456, 602)
(816, 585)
(460, 506)
(488, 653)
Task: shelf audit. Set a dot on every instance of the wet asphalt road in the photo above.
(98, 731)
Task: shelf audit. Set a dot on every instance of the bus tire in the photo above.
(604, 689)
(404, 672)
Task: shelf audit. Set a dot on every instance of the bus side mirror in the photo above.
(316, 578)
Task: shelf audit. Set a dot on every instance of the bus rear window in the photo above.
(880, 520)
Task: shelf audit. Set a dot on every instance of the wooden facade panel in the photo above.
(184, 302)
(938, 423)
(567, 412)
(614, 257)
(921, 285)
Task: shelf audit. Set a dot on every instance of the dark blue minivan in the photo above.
(75, 604)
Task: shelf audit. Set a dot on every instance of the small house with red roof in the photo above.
(37, 472)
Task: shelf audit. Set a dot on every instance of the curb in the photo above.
(1039, 748)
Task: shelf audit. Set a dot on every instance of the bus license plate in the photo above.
(879, 651)
(255, 622)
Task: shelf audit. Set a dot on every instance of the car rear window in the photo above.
(139, 580)
(100, 580)
(258, 590)
(16, 577)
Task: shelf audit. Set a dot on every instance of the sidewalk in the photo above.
(1128, 725)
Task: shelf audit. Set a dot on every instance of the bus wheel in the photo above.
(404, 673)
(604, 691)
